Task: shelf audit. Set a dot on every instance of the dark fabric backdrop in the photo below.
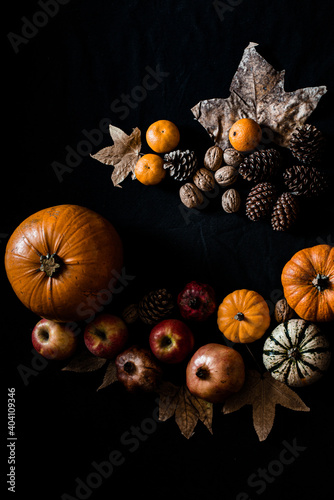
(62, 80)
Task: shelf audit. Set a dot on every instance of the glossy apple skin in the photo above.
(138, 370)
(53, 340)
(106, 336)
(171, 341)
(215, 372)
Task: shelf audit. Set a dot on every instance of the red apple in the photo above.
(171, 341)
(197, 301)
(53, 340)
(137, 369)
(215, 372)
(106, 336)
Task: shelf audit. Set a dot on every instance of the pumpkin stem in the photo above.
(239, 316)
(49, 264)
(321, 282)
(294, 353)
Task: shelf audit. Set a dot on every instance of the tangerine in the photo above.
(162, 136)
(245, 135)
(149, 169)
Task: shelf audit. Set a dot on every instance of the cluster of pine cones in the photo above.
(264, 168)
(276, 190)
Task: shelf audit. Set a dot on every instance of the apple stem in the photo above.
(165, 342)
(43, 335)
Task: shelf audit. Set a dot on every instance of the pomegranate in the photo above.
(197, 301)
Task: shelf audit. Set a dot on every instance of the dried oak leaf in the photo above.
(257, 91)
(123, 155)
(263, 393)
(188, 409)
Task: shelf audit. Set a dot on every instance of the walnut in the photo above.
(231, 201)
(191, 196)
(232, 157)
(213, 158)
(130, 314)
(283, 311)
(225, 176)
(204, 179)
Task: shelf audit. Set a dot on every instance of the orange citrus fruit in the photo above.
(245, 135)
(149, 169)
(162, 136)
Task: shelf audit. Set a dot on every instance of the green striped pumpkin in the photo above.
(296, 353)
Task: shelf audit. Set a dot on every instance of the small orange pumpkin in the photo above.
(243, 316)
(62, 261)
(308, 283)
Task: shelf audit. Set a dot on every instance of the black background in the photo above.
(64, 81)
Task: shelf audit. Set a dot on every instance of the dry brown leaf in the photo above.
(257, 91)
(110, 375)
(123, 155)
(83, 362)
(263, 393)
(186, 408)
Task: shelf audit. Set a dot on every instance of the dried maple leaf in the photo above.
(263, 393)
(257, 91)
(123, 155)
(187, 408)
(110, 375)
(83, 362)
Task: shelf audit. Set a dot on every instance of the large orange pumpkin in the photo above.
(308, 283)
(63, 261)
(243, 316)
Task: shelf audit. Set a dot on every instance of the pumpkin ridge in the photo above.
(301, 335)
(277, 342)
(315, 350)
(310, 339)
(287, 334)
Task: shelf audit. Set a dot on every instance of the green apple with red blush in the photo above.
(171, 341)
(106, 336)
(53, 340)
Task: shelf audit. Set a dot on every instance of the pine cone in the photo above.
(260, 165)
(155, 306)
(181, 164)
(305, 180)
(285, 212)
(260, 200)
(307, 144)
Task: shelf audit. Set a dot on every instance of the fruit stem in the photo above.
(129, 367)
(321, 282)
(195, 302)
(294, 353)
(202, 373)
(49, 264)
(239, 316)
(165, 342)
